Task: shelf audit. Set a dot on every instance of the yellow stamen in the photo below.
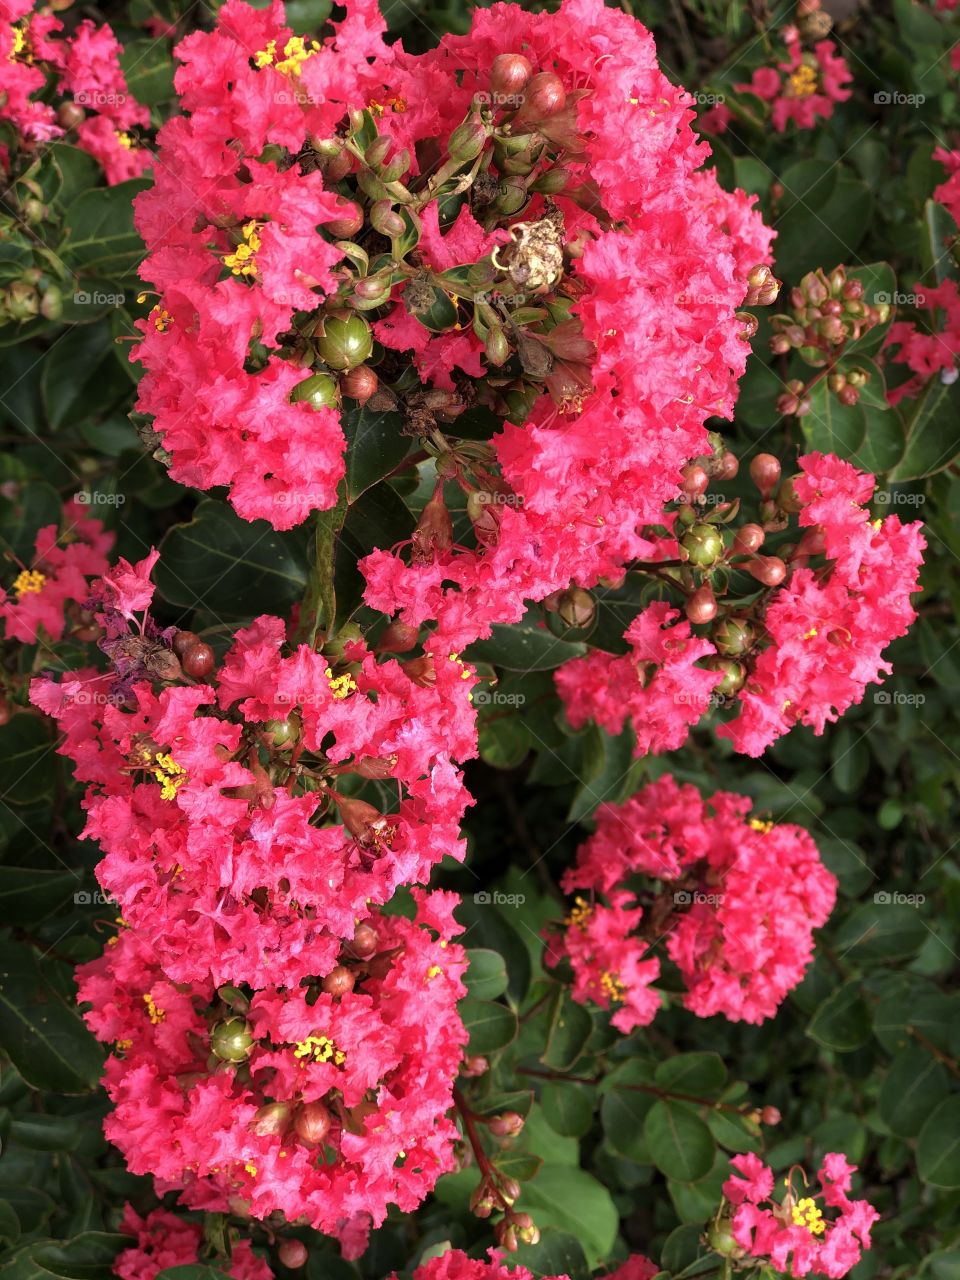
(433, 971)
(154, 1012)
(28, 582)
(295, 52)
(340, 686)
(162, 319)
(805, 1213)
(242, 260)
(320, 1049)
(21, 46)
(802, 82)
(251, 1169)
(124, 139)
(761, 825)
(580, 913)
(169, 774)
(810, 634)
(124, 1044)
(614, 988)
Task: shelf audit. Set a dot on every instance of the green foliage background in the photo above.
(863, 1058)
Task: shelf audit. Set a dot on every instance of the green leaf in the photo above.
(40, 1031)
(568, 1107)
(570, 1028)
(557, 1253)
(849, 759)
(148, 68)
(27, 759)
(35, 505)
(234, 568)
(842, 1022)
(680, 1144)
(486, 926)
(88, 1256)
(193, 1271)
(931, 425)
(881, 930)
(491, 1026)
(486, 978)
(938, 1146)
(379, 518)
(524, 646)
(375, 446)
(572, 1200)
(319, 609)
(694, 1073)
(914, 1084)
(100, 236)
(81, 378)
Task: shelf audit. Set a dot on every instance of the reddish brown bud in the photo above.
(748, 538)
(770, 1115)
(293, 1254)
(198, 661)
(765, 473)
(70, 114)
(361, 819)
(576, 608)
(434, 531)
(694, 479)
(701, 607)
(183, 641)
(787, 497)
(770, 570)
(475, 1066)
(271, 1121)
(510, 75)
(506, 1125)
(726, 466)
(359, 383)
(348, 221)
(339, 981)
(398, 637)
(376, 767)
(422, 671)
(365, 941)
(312, 1123)
(544, 96)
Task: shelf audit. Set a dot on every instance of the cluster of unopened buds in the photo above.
(827, 313)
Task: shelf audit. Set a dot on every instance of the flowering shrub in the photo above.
(477, 583)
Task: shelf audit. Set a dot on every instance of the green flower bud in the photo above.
(345, 342)
(703, 544)
(232, 1040)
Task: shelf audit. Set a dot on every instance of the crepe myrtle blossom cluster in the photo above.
(164, 1240)
(279, 1043)
(479, 208)
(734, 899)
(795, 1235)
(931, 351)
(800, 652)
(47, 598)
(96, 110)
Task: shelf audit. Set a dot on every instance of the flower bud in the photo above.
(345, 342)
(726, 466)
(293, 1254)
(787, 497)
(421, 671)
(770, 1116)
(386, 220)
(525, 1228)
(283, 734)
(365, 941)
(483, 1201)
(510, 74)
(378, 151)
(576, 608)
(319, 391)
(397, 637)
(694, 480)
(312, 1123)
(375, 767)
(468, 139)
(552, 182)
(348, 221)
(703, 545)
(732, 675)
(506, 1125)
(720, 1239)
(765, 473)
(272, 1120)
(701, 607)
(848, 395)
(747, 539)
(184, 640)
(544, 97)
(70, 114)
(231, 1040)
(359, 383)
(497, 347)
(362, 820)
(732, 636)
(749, 324)
(475, 1066)
(340, 981)
(769, 570)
